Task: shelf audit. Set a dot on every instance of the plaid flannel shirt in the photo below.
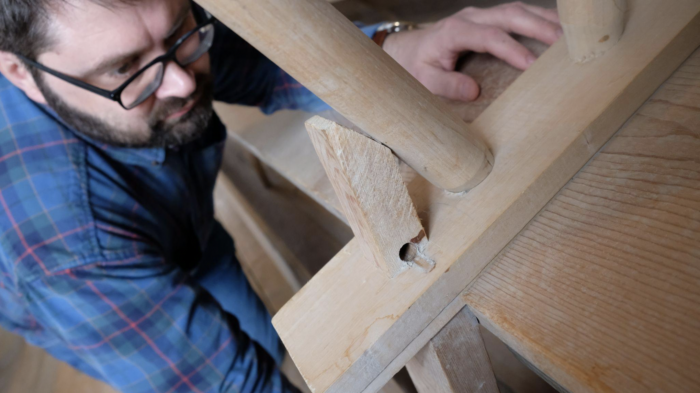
(99, 245)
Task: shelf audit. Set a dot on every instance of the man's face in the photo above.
(103, 46)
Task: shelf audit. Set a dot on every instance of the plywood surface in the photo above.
(602, 289)
(348, 322)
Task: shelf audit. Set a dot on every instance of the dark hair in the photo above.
(23, 24)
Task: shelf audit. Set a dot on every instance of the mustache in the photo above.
(163, 109)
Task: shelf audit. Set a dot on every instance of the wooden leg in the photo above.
(455, 360)
(591, 27)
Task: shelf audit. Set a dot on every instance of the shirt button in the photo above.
(155, 163)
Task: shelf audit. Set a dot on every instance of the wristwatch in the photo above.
(385, 29)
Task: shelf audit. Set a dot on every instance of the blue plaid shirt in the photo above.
(100, 246)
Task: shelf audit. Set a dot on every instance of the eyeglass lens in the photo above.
(150, 80)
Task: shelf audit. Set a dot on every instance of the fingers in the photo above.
(478, 30)
(550, 14)
(530, 21)
(506, 48)
(489, 39)
(451, 84)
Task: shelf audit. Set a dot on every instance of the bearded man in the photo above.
(110, 255)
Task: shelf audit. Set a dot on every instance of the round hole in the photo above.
(408, 252)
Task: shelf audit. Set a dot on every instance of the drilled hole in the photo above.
(408, 252)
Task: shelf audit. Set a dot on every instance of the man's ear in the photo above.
(17, 73)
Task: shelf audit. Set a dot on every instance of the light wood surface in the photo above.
(543, 129)
(602, 289)
(341, 65)
(455, 360)
(591, 27)
(365, 176)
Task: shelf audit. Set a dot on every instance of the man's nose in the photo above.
(177, 82)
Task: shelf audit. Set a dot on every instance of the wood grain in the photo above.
(455, 360)
(602, 289)
(346, 69)
(543, 129)
(366, 178)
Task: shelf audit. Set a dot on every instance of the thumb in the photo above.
(451, 84)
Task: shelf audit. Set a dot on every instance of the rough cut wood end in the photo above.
(365, 176)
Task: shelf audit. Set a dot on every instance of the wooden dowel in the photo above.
(325, 52)
(591, 27)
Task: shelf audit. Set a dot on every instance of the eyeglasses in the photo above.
(141, 85)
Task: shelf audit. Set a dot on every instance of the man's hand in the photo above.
(430, 54)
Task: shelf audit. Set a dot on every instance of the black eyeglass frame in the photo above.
(115, 95)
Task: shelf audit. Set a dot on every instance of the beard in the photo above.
(161, 131)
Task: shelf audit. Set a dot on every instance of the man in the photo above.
(110, 256)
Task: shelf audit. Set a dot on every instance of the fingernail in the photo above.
(530, 59)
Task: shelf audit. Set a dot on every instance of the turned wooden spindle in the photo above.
(325, 52)
(591, 27)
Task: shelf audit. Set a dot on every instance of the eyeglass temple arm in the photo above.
(69, 79)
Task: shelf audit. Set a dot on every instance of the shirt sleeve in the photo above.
(244, 76)
(142, 325)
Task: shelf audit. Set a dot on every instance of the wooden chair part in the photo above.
(329, 55)
(591, 27)
(365, 176)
